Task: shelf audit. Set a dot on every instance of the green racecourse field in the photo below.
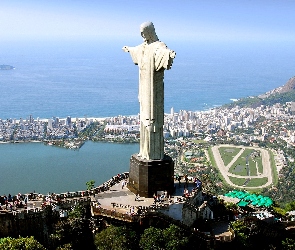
(243, 167)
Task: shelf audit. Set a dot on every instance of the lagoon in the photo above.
(35, 167)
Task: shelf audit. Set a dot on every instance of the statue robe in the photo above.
(152, 60)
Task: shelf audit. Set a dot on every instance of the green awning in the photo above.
(242, 203)
(254, 199)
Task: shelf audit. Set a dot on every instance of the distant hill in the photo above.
(285, 93)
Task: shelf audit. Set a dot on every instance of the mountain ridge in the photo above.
(282, 94)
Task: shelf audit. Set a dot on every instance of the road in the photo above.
(224, 169)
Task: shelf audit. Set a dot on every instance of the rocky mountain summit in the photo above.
(290, 85)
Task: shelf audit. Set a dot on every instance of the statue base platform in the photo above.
(147, 177)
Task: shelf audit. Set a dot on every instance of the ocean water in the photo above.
(97, 79)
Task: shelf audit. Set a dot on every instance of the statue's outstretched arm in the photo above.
(172, 54)
(125, 49)
(134, 52)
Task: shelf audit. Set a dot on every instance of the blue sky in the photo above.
(206, 20)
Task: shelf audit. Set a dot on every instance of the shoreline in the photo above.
(33, 141)
(73, 119)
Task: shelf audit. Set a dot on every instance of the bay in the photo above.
(29, 167)
(97, 79)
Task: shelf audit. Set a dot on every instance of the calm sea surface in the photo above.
(97, 79)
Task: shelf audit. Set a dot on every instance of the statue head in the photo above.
(148, 32)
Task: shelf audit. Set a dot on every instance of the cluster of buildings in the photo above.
(122, 128)
(263, 122)
(13, 130)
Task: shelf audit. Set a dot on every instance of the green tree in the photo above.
(21, 243)
(74, 232)
(78, 212)
(175, 238)
(290, 206)
(116, 238)
(231, 206)
(152, 239)
(90, 184)
(288, 244)
(67, 246)
(241, 231)
(170, 238)
(279, 212)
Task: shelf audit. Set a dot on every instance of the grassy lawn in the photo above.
(252, 183)
(237, 181)
(260, 166)
(252, 166)
(212, 159)
(239, 166)
(228, 153)
(257, 182)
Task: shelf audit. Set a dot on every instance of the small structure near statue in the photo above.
(151, 170)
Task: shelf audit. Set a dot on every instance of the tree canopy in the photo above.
(21, 243)
(116, 238)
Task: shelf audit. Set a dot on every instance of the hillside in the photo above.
(285, 93)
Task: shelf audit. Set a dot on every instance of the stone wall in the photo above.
(32, 222)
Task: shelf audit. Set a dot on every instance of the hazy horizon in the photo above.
(228, 20)
(71, 50)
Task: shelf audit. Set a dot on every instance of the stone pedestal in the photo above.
(146, 177)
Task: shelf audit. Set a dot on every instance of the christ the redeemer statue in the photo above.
(152, 58)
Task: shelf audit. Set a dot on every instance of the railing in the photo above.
(114, 214)
(142, 208)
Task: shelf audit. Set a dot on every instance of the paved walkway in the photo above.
(125, 200)
(117, 194)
